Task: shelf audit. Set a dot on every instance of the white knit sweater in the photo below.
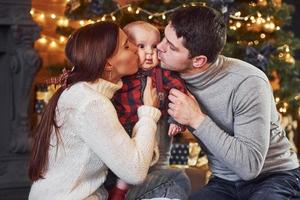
(92, 140)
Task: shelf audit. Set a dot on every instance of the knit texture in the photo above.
(92, 140)
(241, 132)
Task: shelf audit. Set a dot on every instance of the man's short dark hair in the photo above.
(203, 30)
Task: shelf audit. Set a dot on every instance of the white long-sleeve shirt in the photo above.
(92, 140)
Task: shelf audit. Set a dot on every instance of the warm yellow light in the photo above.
(184, 5)
(163, 16)
(150, 17)
(32, 11)
(103, 18)
(113, 18)
(238, 24)
(42, 40)
(91, 21)
(81, 22)
(129, 9)
(258, 14)
(233, 28)
(277, 28)
(53, 44)
(137, 11)
(256, 42)
(262, 36)
(63, 22)
(60, 22)
(62, 39)
(53, 16)
(259, 20)
(42, 16)
(237, 14)
(193, 4)
(277, 99)
(287, 49)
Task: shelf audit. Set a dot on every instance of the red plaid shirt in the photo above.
(130, 96)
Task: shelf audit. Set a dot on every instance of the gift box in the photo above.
(189, 155)
(179, 154)
(43, 92)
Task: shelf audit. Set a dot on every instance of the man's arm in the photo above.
(245, 151)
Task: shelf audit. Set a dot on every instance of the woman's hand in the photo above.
(150, 94)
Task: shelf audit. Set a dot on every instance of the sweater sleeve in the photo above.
(246, 150)
(129, 158)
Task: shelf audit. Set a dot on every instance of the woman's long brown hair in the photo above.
(87, 50)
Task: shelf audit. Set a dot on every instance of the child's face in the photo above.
(146, 41)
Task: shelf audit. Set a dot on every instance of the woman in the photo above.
(79, 135)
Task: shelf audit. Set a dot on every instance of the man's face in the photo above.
(172, 54)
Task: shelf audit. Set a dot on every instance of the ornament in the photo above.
(100, 7)
(259, 58)
(222, 5)
(262, 3)
(277, 3)
(125, 2)
(255, 27)
(275, 80)
(73, 5)
(289, 59)
(269, 27)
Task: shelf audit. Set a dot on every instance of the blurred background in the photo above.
(33, 35)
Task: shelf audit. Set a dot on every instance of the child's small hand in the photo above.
(174, 130)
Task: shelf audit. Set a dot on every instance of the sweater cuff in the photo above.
(149, 111)
(203, 126)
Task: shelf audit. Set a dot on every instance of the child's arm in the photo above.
(174, 129)
(172, 80)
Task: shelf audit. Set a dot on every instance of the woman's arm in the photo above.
(129, 158)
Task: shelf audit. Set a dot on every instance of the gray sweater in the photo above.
(241, 133)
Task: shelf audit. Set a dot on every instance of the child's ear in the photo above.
(199, 61)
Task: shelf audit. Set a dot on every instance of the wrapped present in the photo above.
(179, 154)
(43, 94)
(194, 151)
(187, 155)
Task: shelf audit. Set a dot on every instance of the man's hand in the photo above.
(185, 109)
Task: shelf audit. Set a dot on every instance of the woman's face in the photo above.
(125, 59)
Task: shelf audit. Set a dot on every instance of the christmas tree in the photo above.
(256, 33)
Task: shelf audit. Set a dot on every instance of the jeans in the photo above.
(167, 183)
(284, 185)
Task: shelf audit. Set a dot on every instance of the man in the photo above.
(232, 113)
